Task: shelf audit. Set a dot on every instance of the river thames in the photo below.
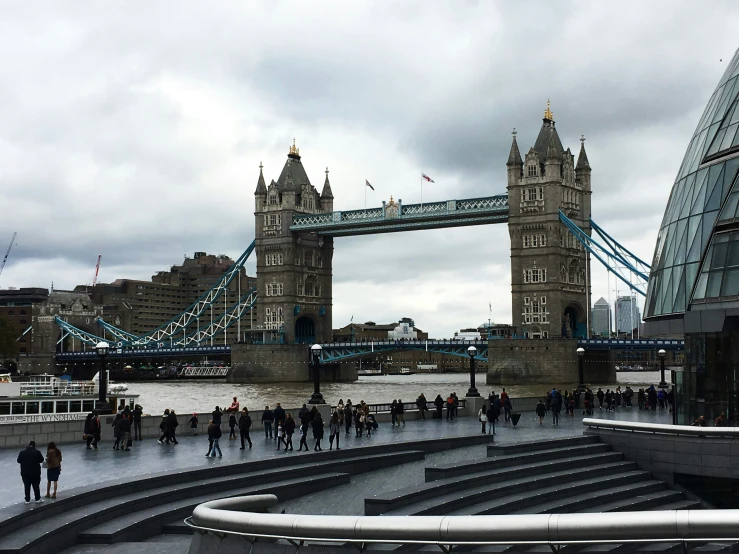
(200, 396)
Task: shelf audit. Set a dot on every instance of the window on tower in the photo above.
(531, 170)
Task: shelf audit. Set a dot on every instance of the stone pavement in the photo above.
(84, 467)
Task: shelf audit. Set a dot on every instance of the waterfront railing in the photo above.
(245, 516)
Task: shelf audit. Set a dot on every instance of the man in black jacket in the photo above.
(279, 415)
(30, 460)
(137, 413)
(267, 418)
(172, 424)
(244, 426)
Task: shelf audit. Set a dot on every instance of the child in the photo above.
(281, 436)
(541, 411)
(194, 424)
(232, 425)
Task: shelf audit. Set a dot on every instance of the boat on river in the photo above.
(49, 398)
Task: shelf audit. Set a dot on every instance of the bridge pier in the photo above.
(272, 363)
(546, 362)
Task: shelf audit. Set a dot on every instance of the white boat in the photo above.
(50, 398)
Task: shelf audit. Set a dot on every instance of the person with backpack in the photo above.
(244, 426)
(450, 408)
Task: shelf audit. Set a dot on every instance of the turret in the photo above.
(327, 197)
(515, 163)
(552, 163)
(260, 194)
(582, 170)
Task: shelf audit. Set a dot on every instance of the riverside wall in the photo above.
(270, 363)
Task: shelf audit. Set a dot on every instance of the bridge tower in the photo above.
(293, 269)
(550, 270)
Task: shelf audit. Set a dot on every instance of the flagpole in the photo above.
(422, 191)
(365, 195)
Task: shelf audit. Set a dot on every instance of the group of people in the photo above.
(126, 420)
(489, 414)
(31, 462)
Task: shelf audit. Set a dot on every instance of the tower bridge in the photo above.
(546, 207)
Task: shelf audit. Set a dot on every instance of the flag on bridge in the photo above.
(366, 182)
(429, 179)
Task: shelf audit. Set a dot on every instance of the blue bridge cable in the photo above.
(175, 325)
(595, 248)
(234, 312)
(616, 247)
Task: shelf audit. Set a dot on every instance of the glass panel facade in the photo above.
(704, 186)
(719, 277)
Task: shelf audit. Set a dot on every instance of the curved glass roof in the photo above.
(706, 177)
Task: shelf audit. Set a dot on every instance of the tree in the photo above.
(9, 333)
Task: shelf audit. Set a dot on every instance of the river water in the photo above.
(201, 396)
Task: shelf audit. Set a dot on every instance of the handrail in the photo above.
(661, 428)
(236, 516)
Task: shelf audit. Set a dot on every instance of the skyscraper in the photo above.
(601, 318)
(628, 316)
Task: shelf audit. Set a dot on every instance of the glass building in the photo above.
(694, 283)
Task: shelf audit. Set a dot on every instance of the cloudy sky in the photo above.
(136, 131)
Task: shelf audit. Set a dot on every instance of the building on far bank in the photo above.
(628, 315)
(404, 329)
(141, 306)
(601, 318)
(16, 305)
(496, 330)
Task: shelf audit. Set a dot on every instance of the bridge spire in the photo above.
(261, 186)
(326, 193)
(514, 158)
(582, 159)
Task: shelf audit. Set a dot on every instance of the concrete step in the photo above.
(534, 446)
(390, 500)
(61, 528)
(684, 504)
(539, 500)
(159, 545)
(451, 500)
(176, 527)
(17, 516)
(653, 501)
(144, 523)
(442, 471)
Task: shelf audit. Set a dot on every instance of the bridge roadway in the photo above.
(338, 351)
(89, 468)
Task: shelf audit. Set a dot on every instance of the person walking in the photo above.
(281, 436)
(124, 430)
(267, 418)
(279, 414)
(217, 415)
(482, 417)
(303, 435)
(163, 427)
(95, 430)
(556, 406)
(172, 425)
(53, 468)
(334, 430)
(541, 411)
(194, 424)
(348, 417)
(492, 416)
(450, 408)
(87, 434)
(421, 405)
(244, 426)
(289, 431)
(393, 412)
(600, 394)
(30, 461)
(138, 411)
(232, 427)
(359, 421)
(400, 413)
(214, 433)
(117, 431)
(507, 407)
(317, 424)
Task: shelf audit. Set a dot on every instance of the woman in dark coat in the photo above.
(317, 424)
(439, 403)
(289, 429)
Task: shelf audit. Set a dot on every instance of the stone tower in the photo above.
(293, 269)
(550, 270)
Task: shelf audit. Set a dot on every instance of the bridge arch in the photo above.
(305, 329)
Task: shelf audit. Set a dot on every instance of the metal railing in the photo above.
(407, 406)
(661, 428)
(245, 516)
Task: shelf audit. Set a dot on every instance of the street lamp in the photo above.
(102, 406)
(316, 397)
(472, 391)
(580, 365)
(662, 354)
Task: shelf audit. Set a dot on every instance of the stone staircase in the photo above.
(128, 514)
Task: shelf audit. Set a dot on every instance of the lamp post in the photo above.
(102, 406)
(580, 366)
(662, 354)
(472, 391)
(315, 353)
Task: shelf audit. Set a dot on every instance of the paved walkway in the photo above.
(84, 467)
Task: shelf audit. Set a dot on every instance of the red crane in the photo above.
(97, 270)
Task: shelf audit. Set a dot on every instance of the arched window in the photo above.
(531, 172)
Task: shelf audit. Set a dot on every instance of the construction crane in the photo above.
(97, 270)
(5, 259)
